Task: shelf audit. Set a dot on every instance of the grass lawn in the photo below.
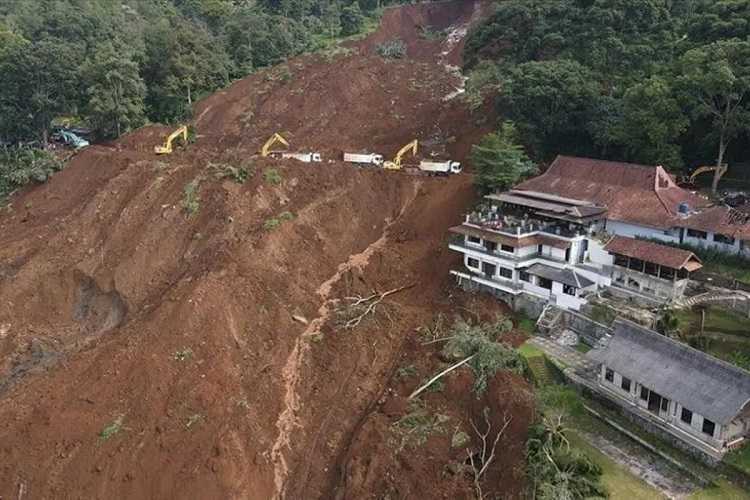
(723, 490)
(620, 483)
(581, 347)
(717, 320)
(740, 458)
(526, 325)
(529, 351)
(738, 272)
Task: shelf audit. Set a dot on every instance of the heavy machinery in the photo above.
(303, 157)
(71, 139)
(702, 170)
(364, 158)
(167, 149)
(397, 163)
(440, 167)
(276, 137)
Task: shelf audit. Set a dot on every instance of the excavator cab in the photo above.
(396, 164)
(167, 148)
(276, 137)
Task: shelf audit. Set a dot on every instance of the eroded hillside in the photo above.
(152, 353)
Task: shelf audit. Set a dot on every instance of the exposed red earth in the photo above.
(147, 353)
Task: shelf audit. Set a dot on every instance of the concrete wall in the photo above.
(647, 284)
(589, 331)
(633, 230)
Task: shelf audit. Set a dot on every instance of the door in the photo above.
(654, 402)
(489, 270)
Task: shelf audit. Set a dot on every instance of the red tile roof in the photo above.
(655, 253)
(722, 220)
(632, 193)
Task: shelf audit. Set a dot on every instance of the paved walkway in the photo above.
(564, 355)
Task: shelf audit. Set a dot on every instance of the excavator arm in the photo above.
(266, 150)
(396, 164)
(702, 170)
(167, 149)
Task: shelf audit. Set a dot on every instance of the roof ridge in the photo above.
(682, 345)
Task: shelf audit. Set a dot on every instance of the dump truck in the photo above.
(440, 167)
(364, 158)
(303, 157)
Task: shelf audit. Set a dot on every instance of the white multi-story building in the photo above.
(583, 225)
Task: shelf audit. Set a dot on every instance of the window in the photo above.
(475, 240)
(506, 273)
(609, 375)
(666, 273)
(708, 427)
(472, 263)
(507, 248)
(652, 269)
(569, 290)
(644, 393)
(636, 264)
(664, 404)
(625, 384)
(687, 416)
(524, 276)
(720, 238)
(545, 283)
(694, 233)
(490, 246)
(621, 260)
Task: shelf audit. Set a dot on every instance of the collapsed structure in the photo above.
(586, 224)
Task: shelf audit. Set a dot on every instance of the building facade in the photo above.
(703, 402)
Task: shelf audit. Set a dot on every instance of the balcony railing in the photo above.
(459, 244)
(517, 226)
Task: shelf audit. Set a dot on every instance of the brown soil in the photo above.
(145, 353)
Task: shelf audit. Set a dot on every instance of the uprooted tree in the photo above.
(481, 348)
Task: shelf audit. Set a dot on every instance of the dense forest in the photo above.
(651, 81)
(116, 65)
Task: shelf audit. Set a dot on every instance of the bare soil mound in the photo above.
(166, 332)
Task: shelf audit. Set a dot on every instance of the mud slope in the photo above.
(149, 353)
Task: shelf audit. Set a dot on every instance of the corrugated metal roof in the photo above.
(699, 382)
(566, 276)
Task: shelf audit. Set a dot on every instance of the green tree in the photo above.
(116, 91)
(499, 161)
(652, 120)
(552, 102)
(352, 20)
(715, 81)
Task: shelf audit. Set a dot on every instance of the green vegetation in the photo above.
(500, 161)
(645, 81)
(272, 176)
(483, 344)
(603, 314)
(191, 201)
(406, 371)
(529, 351)
(274, 222)
(19, 167)
(721, 490)
(740, 458)
(225, 171)
(415, 428)
(112, 428)
(717, 320)
(617, 480)
(525, 324)
(118, 65)
(393, 49)
(183, 355)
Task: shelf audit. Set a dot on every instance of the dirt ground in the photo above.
(149, 353)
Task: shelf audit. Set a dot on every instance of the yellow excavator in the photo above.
(166, 149)
(702, 170)
(396, 164)
(276, 137)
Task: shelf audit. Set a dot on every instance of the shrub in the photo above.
(272, 176)
(226, 171)
(275, 222)
(19, 167)
(392, 49)
(191, 201)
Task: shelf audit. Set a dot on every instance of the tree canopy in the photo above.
(649, 81)
(118, 64)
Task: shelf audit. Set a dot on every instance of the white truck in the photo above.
(364, 158)
(440, 167)
(303, 157)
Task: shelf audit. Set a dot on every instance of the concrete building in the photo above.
(702, 402)
(644, 202)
